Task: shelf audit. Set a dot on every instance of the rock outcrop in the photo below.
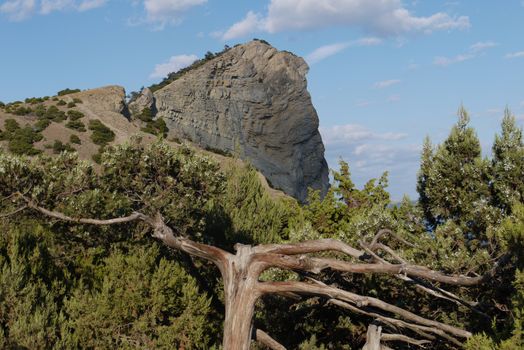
(144, 100)
(252, 101)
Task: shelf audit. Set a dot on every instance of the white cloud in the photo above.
(326, 51)
(87, 5)
(518, 54)
(250, 24)
(168, 11)
(446, 61)
(473, 51)
(385, 83)
(385, 18)
(175, 63)
(353, 133)
(48, 6)
(482, 45)
(18, 10)
(369, 41)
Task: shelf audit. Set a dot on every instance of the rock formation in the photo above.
(144, 100)
(251, 100)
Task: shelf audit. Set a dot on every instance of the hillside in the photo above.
(250, 101)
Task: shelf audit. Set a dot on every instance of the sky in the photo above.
(383, 73)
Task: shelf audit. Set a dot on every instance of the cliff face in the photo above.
(252, 101)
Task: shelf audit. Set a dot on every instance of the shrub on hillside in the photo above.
(75, 139)
(41, 125)
(67, 92)
(40, 110)
(59, 147)
(54, 114)
(101, 135)
(21, 110)
(61, 103)
(74, 115)
(76, 125)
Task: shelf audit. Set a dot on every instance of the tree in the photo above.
(166, 193)
(453, 181)
(507, 166)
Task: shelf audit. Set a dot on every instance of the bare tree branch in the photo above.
(313, 246)
(358, 300)
(263, 338)
(403, 338)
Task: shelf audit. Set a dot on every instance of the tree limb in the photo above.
(263, 338)
(358, 300)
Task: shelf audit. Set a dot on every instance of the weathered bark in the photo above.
(264, 338)
(373, 338)
(240, 296)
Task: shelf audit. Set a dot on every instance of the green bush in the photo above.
(40, 110)
(21, 141)
(71, 105)
(156, 127)
(146, 115)
(21, 110)
(41, 125)
(11, 125)
(61, 103)
(74, 115)
(77, 100)
(101, 135)
(54, 114)
(59, 147)
(34, 100)
(75, 139)
(76, 125)
(67, 92)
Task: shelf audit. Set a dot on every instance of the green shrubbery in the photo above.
(67, 92)
(20, 140)
(74, 115)
(59, 147)
(76, 125)
(67, 285)
(41, 125)
(101, 135)
(54, 114)
(75, 139)
(155, 127)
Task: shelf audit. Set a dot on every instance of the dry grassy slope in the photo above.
(106, 104)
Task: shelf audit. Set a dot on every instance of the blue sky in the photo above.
(383, 74)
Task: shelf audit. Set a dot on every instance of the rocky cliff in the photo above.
(251, 100)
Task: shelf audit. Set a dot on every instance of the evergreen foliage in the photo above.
(67, 92)
(508, 164)
(453, 181)
(102, 135)
(72, 286)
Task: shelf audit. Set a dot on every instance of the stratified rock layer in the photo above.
(252, 101)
